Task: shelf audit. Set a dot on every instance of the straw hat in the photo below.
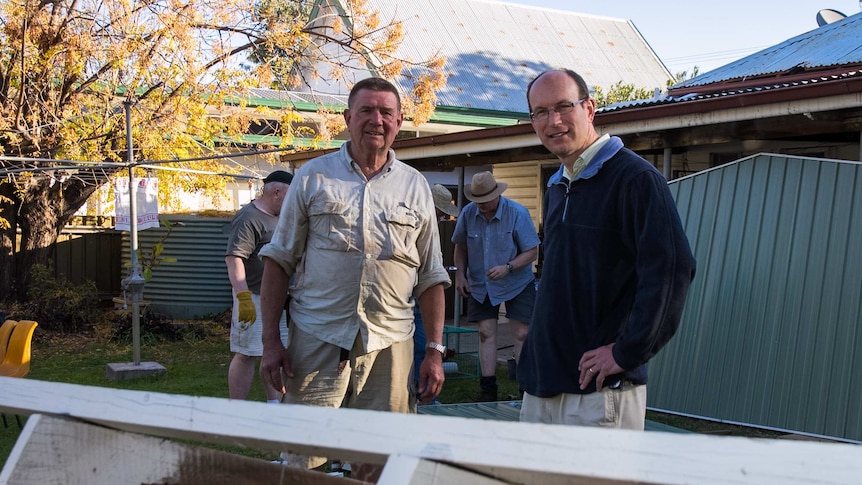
(484, 188)
(443, 200)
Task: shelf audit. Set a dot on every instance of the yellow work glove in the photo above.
(247, 312)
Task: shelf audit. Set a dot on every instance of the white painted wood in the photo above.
(56, 451)
(409, 470)
(517, 452)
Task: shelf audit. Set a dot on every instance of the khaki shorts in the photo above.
(376, 380)
(623, 408)
(246, 338)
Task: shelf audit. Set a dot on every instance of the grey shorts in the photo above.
(519, 308)
(246, 338)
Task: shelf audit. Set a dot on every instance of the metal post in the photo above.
(135, 282)
(667, 163)
(456, 317)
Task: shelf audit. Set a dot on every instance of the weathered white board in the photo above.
(58, 451)
(514, 452)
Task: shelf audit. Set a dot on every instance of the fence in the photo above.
(97, 435)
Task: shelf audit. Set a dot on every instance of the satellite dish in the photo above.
(827, 16)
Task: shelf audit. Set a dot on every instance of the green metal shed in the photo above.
(770, 334)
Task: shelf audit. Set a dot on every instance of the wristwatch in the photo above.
(438, 347)
(509, 267)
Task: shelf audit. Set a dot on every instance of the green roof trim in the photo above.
(278, 141)
(442, 114)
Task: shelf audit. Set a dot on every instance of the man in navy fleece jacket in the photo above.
(616, 271)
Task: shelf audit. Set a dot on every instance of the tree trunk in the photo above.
(8, 239)
(41, 209)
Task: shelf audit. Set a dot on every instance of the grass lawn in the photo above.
(197, 363)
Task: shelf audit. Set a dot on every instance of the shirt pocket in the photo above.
(403, 226)
(330, 225)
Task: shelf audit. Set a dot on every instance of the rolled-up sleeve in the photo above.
(289, 239)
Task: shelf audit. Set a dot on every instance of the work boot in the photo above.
(487, 389)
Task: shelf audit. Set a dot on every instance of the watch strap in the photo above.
(438, 347)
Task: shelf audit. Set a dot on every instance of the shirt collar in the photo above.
(586, 157)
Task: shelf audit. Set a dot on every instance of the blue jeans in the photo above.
(419, 341)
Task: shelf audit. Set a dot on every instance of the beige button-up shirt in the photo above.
(359, 249)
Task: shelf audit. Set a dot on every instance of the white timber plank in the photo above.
(517, 452)
(409, 470)
(58, 451)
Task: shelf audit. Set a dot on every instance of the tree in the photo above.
(619, 93)
(67, 67)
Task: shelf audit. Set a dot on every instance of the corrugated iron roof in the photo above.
(835, 44)
(494, 49)
(730, 90)
(830, 53)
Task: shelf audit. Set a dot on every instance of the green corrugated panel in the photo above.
(197, 283)
(507, 411)
(770, 330)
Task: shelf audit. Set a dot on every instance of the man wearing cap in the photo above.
(495, 245)
(251, 228)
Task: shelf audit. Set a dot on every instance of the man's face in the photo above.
(565, 135)
(373, 120)
(488, 209)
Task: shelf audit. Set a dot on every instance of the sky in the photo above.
(708, 35)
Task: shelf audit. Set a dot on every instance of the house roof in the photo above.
(832, 45)
(493, 49)
(819, 98)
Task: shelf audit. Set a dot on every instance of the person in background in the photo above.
(617, 268)
(251, 228)
(445, 209)
(495, 246)
(359, 233)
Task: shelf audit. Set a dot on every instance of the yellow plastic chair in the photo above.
(16, 362)
(5, 334)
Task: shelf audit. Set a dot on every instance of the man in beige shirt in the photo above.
(359, 233)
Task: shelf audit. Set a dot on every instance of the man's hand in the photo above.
(273, 361)
(431, 376)
(461, 284)
(598, 364)
(498, 272)
(247, 312)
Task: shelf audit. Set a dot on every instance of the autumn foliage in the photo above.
(68, 66)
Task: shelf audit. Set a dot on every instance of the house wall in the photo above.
(524, 179)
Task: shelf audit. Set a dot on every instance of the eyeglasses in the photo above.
(542, 114)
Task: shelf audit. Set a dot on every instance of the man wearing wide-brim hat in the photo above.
(495, 245)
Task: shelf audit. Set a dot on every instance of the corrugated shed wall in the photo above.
(771, 330)
(197, 283)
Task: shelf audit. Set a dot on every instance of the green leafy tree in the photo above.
(67, 67)
(619, 93)
(685, 75)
